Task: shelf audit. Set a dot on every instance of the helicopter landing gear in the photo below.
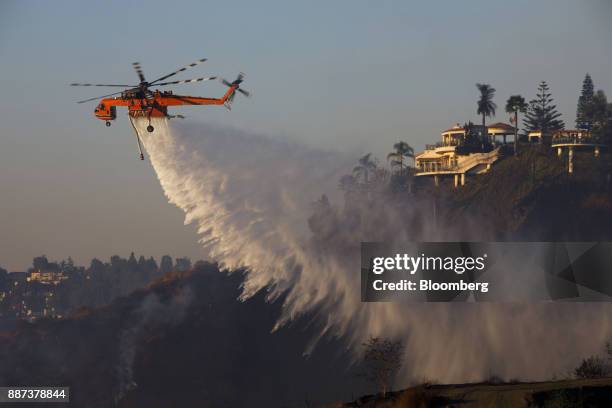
(108, 123)
(150, 129)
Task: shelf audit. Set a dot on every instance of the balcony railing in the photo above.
(574, 140)
(436, 168)
(439, 144)
(462, 166)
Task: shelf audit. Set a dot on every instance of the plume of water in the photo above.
(250, 197)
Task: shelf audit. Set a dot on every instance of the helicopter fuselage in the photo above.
(152, 105)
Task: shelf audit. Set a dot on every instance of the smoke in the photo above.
(151, 313)
(250, 198)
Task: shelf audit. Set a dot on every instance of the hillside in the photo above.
(529, 197)
(558, 394)
(184, 341)
(532, 197)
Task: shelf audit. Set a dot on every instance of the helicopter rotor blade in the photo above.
(122, 86)
(239, 79)
(186, 67)
(185, 81)
(138, 69)
(236, 85)
(99, 97)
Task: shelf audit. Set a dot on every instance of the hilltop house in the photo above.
(574, 139)
(46, 277)
(500, 129)
(443, 159)
(456, 134)
(576, 136)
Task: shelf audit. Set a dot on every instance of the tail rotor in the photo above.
(236, 85)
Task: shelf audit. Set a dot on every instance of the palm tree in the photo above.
(347, 183)
(516, 104)
(365, 166)
(486, 106)
(402, 150)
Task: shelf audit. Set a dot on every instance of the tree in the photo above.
(584, 119)
(151, 266)
(40, 263)
(142, 268)
(600, 113)
(67, 266)
(132, 262)
(347, 183)
(147, 268)
(365, 167)
(402, 150)
(166, 265)
(486, 106)
(382, 359)
(3, 279)
(516, 104)
(324, 221)
(592, 367)
(471, 142)
(542, 114)
(183, 264)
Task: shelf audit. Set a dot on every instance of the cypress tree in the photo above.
(584, 117)
(542, 114)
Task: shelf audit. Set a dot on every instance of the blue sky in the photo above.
(354, 75)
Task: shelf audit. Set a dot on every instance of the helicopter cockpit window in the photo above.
(102, 107)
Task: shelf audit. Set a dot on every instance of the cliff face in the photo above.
(184, 341)
(532, 197)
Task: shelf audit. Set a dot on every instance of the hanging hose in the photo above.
(137, 138)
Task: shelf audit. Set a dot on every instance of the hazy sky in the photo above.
(355, 75)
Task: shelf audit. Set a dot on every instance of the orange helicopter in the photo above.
(141, 101)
